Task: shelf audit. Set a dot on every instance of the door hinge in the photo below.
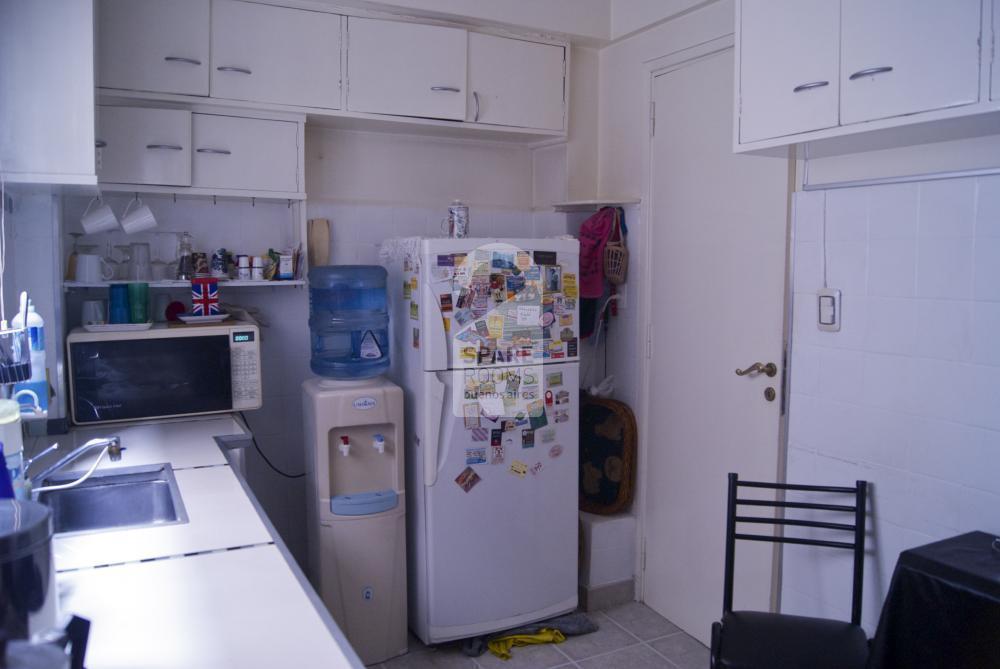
(649, 341)
(652, 119)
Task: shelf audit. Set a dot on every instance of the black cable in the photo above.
(253, 438)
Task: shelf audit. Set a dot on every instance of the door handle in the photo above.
(770, 369)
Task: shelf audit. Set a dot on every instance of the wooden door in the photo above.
(907, 56)
(789, 53)
(515, 83)
(406, 69)
(717, 258)
(149, 45)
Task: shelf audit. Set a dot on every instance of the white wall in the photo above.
(906, 394)
(628, 16)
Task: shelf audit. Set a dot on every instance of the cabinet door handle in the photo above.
(811, 85)
(233, 68)
(475, 96)
(447, 89)
(182, 59)
(869, 71)
(100, 144)
(220, 152)
(166, 147)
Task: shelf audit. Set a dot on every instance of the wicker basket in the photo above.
(616, 254)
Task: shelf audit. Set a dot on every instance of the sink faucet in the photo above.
(113, 444)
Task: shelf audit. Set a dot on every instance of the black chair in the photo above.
(759, 640)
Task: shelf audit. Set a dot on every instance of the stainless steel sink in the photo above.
(115, 499)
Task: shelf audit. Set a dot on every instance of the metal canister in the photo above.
(458, 219)
(220, 263)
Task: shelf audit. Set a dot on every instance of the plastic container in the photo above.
(38, 384)
(13, 445)
(348, 321)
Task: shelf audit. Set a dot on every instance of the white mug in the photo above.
(141, 218)
(93, 312)
(101, 219)
(93, 269)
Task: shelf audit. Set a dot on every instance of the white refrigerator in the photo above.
(486, 348)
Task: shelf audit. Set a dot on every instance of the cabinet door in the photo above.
(906, 56)
(406, 69)
(144, 146)
(274, 54)
(516, 83)
(151, 45)
(789, 67)
(244, 153)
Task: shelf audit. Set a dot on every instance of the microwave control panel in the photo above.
(244, 352)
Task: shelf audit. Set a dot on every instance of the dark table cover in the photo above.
(943, 608)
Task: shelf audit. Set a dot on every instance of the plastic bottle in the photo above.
(348, 321)
(13, 445)
(38, 382)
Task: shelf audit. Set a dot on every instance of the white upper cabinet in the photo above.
(406, 69)
(244, 153)
(264, 53)
(513, 82)
(789, 67)
(138, 145)
(906, 56)
(151, 45)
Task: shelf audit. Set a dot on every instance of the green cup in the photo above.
(138, 300)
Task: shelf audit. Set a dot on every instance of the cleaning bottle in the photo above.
(12, 446)
(38, 383)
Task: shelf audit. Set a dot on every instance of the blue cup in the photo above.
(119, 310)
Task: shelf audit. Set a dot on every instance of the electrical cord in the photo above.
(270, 464)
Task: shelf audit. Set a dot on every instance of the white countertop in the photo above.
(218, 591)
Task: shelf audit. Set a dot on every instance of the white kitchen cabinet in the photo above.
(789, 67)
(47, 91)
(244, 153)
(138, 145)
(514, 82)
(906, 56)
(406, 69)
(150, 45)
(264, 53)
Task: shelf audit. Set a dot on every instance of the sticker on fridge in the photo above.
(496, 454)
(528, 439)
(414, 311)
(468, 479)
(470, 413)
(475, 456)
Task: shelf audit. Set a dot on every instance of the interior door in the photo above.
(514, 82)
(717, 257)
(907, 56)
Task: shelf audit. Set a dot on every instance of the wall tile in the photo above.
(809, 210)
(987, 269)
(944, 268)
(841, 374)
(988, 207)
(888, 382)
(947, 208)
(943, 329)
(806, 364)
(892, 267)
(893, 211)
(847, 215)
(847, 266)
(892, 326)
(808, 267)
(986, 333)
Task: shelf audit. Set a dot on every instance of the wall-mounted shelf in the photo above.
(235, 283)
(594, 205)
(188, 191)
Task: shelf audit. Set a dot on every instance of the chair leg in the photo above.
(716, 649)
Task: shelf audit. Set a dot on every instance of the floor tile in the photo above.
(540, 656)
(447, 656)
(609, 637)
(683, 650)
(633, 657)
(641, 621)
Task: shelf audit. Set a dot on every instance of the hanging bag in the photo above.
(616, 254)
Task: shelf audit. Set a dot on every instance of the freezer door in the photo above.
(498, 303)
(501, 503)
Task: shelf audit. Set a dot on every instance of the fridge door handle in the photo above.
(436, 339)
(437, 405)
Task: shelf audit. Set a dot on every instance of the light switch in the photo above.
(829, 310)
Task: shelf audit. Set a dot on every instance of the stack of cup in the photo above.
(129, 303)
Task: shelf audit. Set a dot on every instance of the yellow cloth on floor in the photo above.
(501, 646)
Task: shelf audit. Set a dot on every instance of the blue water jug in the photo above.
(348, 321)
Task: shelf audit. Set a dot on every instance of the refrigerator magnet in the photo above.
(548, 398)
(502, 261)
(533, 273)
(538, 421)
(445, 299)
(470, 413)
(475, 456)
(555, 451)
(518, 468)
(446, 261)
(416, 337)
(414, 311)
(572, 348)
(545, 257)
(562, 416)
(566, 333)
(468, 479)
(547, 436)
(496, 454)
(496, 437)
(562, 397)
(553, 279)
(523, 260)
(407, 290)
(535, 468)
(570, 289)
(554, 379)
(480, 434)
(528, 439)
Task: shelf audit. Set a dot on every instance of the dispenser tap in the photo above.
(345, 445)
(379, 443)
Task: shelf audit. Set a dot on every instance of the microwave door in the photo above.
(129, 379)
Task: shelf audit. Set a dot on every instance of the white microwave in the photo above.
(163, 372)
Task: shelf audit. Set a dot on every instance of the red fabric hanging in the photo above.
(594, 233)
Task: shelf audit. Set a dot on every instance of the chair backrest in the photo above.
(856, 528)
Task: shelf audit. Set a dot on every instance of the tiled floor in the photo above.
(632, 636)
